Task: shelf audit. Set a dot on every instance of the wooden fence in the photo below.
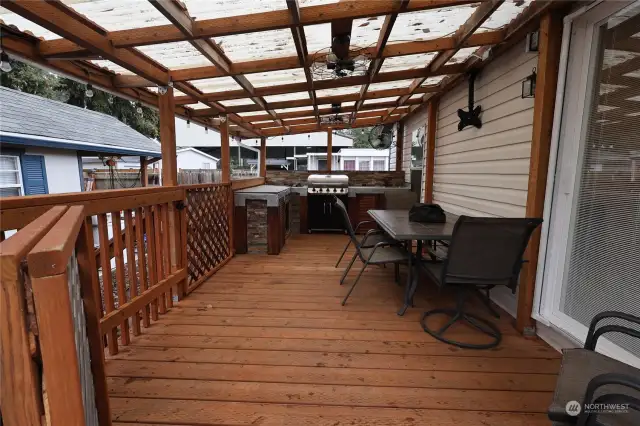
(104, 265)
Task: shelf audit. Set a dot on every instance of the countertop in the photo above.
(354, 190)
(272, 194)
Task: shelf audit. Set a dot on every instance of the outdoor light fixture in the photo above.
(529, 86)
(88, 91)
(532, 42)
(163, 90)
(5, 65)
(139, 108)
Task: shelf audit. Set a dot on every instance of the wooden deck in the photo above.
(266, 342)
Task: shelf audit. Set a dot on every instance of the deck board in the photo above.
(266, 342)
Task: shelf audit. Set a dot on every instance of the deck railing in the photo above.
(102, 270)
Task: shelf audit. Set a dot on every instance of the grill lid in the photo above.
(328, 181)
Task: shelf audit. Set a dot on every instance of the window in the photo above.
(378, 165)
(349, 164)
(364, 165)
(206, 166)
(10, 176)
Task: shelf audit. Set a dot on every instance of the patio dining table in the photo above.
(397, 225)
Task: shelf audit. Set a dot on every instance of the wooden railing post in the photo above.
(399, 145)
(90, 286)
(329, 149)
(20, 393)
(167, 109)
(263, 157)
(430, 149)
(48, 262)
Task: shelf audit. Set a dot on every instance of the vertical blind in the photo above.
(604, 239)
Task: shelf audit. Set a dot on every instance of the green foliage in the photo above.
(30, 79)
(359, 135)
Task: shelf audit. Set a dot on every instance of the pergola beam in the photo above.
(308, 128)
(376, 62)
(462, 34)
(272, 20)
(179, 16)
(300, 41)
(291, 62)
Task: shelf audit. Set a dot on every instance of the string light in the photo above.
(88, 92)
(5, 65)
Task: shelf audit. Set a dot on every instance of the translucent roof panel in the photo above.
(218, 84)
(10, 18)
(400, 84)
(507, 12)
(250, 113)
(380, 100)
(304, 108)
(237, 102)
(113, 67)
(272, 78)
(397, 63)
(287, 97)
(365, 32)
(417, 96)
(114, 15)
(338, 91)
(462, 55)
(432, 81)
(318, 38)
(175, 55)
(209, 9)
(199, 105)
(429, 24)
(260, 45)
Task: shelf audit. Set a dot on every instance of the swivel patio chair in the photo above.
(380, 253)
(589, 377)
(483, 253)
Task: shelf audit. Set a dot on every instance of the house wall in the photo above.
(485, 172)
(194, 160)
(63, 174)
(410, 126)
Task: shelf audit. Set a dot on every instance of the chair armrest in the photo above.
(364, 222)
(593, 334)
(367, 235)
(588, 417)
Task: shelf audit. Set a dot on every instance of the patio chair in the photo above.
(587, 376)
(483, 253)
(380, 253)
(373, 238)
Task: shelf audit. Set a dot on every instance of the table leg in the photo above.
(407, 289)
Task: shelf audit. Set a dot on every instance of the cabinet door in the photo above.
(366, 202)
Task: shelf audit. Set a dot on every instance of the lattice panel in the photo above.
(208, 236)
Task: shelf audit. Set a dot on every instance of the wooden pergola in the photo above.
(410, 65)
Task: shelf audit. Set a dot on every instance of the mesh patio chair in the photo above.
(380, 253)
(483, 253)
(373, 238)
(587, 377)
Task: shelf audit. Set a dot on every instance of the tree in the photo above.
(359, 135)
(29, 79)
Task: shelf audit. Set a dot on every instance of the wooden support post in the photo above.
(430, 150)
(399, 145)
(263, 157)
(144, 172)
(543, 109)
(167, 108)
(225, 152)
(329, 149)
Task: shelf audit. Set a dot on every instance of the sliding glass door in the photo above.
(593, 251)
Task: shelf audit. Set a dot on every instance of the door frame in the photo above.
(573, 102)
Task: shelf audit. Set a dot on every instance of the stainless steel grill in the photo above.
(328, 184)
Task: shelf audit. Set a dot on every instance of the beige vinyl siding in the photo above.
(484, 172)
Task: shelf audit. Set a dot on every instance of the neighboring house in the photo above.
(42, 143)
(288, 152)
(193, 159)
(349, 159)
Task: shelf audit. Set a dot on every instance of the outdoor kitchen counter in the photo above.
(261, 219)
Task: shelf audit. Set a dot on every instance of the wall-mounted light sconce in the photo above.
(532, 41)
(529, 86)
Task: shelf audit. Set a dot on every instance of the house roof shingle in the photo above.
(32, 116)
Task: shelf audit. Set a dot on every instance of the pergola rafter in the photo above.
(201, 99)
